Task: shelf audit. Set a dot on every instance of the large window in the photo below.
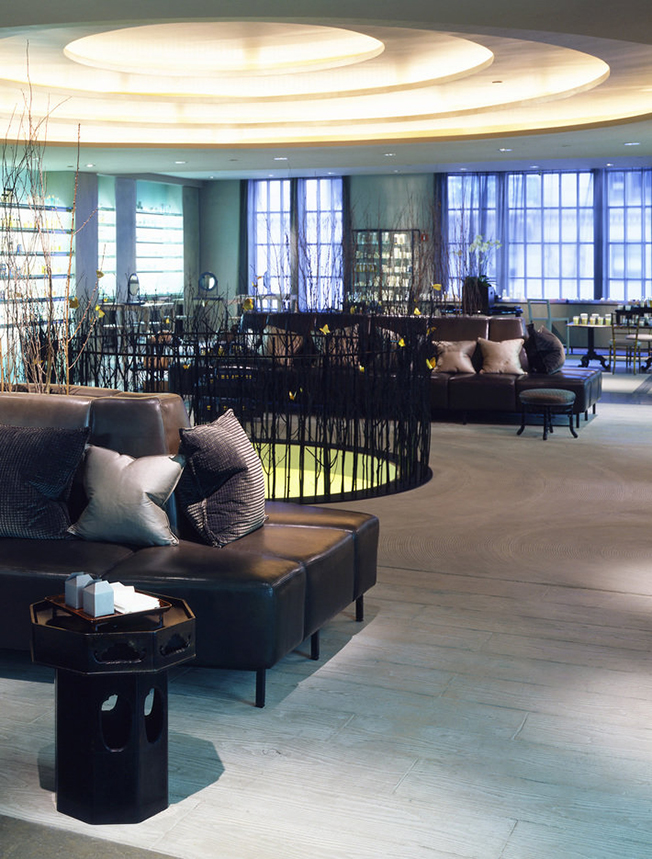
(295, 242)
(159, 239)
(628, 234)
(472, 213)
(574, 235)
(320, 243)
(270, 232)
(550, 235)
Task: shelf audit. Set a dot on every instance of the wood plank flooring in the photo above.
(495, 704)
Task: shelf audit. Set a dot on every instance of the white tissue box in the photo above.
(98, 599)
(75, 584)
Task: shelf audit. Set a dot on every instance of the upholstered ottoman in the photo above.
(547, 402)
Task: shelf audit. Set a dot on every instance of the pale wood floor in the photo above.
(495, 704)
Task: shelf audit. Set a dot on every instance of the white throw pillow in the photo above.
(126, 497)
(454, 356)
(501, 356)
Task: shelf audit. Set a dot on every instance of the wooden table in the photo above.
(591, 354)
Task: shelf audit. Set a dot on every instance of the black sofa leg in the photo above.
(359, 609)
(314, 645)
(260, 687)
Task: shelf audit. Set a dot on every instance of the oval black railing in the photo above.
(336, 411)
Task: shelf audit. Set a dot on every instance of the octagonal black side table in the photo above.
(112, 704)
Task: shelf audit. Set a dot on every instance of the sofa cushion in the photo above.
(545, 351)
(501, 357)
(37, 467)
(454, 356)
(127, 497)
(222, 490)
(459, 327)
(341, 346)
(281, 345)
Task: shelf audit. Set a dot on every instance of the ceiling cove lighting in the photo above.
(270, 83)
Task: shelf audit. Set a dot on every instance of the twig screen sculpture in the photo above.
(333, 414)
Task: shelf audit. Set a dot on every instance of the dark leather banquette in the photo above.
(254, 600)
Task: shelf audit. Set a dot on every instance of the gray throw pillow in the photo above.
(37, 467)
(222, 489)
(127, 497)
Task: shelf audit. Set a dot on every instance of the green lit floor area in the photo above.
(296, 471)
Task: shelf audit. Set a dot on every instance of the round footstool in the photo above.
(547, 402)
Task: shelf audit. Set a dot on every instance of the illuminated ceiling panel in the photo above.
(265, 83)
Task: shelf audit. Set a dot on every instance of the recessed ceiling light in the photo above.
(609, 164)
(504, 149)
(280, 158)
(463, 169)
(180, 162)
(90, 165)
(534, 166)
(390, 154)
(632, 143)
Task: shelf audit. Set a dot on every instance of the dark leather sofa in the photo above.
(459, 393)
(254, 600)
(494, 392)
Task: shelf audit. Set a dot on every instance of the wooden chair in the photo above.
(539, 311)
(625, 345)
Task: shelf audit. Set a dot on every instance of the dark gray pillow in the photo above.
(222, 489)
(545, 351)
(37, 466)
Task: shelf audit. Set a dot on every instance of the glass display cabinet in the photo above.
(383, 268)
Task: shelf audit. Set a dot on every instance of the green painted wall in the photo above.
(219, 237)
(59, 188)
(393, 202)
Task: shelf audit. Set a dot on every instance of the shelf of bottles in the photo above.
(36, 242)
(383, 266)
(159, 252)
(106, 256)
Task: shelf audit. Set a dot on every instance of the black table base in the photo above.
(112, 705)
(112, 746)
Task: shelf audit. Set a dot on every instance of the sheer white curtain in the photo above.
(295, 241)
(270, 240)
(472, 219)
(320, 257)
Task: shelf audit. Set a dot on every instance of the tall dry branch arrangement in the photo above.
(39, 312)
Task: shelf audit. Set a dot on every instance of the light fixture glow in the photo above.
(232, 49)
(271, 83)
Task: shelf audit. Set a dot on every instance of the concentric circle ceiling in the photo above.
(213, 83)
